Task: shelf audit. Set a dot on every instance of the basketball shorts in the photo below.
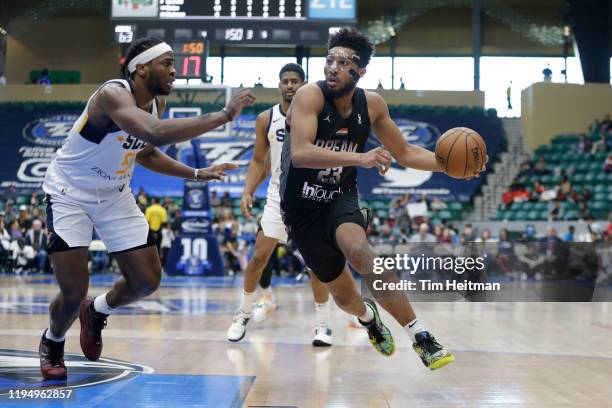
(314, 233)
(271, 222)
(73, 214)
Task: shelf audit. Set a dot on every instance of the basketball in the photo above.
(461, 151)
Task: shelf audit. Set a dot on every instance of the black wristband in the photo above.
(229, 117)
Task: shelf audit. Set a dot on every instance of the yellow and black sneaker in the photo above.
(380, 337)
(432, 353)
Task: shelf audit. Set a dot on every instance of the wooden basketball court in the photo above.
(508, 354)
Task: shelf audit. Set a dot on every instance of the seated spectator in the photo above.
(541, 168)
(226, 200)
(508, 198)
(467, 235)
(505, 253)
(548, 194)
(607, 166)
(438, 205)
(22, 255)
(37, 239)
(583, 211)
(34, 200)
(214, 200)
(556, 211)
(438, 232)
(586, 194)
(15, 231)
(569, 235)
(532, 262)
(584, 144)
(423, 235)
(9, 213)
(485, 236)
(520, 195)
(538, 189)
(564, 189)
(447, 236)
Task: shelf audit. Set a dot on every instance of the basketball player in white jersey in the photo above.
(87, 187)
(269, 137)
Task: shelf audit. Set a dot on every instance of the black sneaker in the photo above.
(432, 353)
(380, 337)
(51, 355)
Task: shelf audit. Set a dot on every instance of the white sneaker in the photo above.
(237, 330)
(323, 337)
(263, 308)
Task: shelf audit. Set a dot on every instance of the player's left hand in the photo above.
(216, 172)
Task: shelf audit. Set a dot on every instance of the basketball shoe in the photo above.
(264, 307)
(380, 337)
(237, 330)
(51, 355)
(322, 337)
(432, 353)
(92, 323)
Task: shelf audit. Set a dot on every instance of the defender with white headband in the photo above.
(88, 187)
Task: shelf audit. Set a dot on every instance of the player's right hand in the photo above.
(379, 158)
(239, 101)
(246, 204)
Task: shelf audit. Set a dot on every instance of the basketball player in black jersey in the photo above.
(327, 128)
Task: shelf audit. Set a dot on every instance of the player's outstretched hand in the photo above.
(246, 204)
(216, 172)
(379, 158)
(239, 101)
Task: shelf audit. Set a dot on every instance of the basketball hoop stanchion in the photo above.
(196, 251)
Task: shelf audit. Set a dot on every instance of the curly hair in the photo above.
(353, 39)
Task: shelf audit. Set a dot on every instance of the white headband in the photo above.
(148, 55)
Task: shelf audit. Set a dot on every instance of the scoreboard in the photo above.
(215, 9)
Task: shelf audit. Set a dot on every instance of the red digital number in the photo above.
(196, 65)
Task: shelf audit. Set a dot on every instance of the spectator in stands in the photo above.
(467, 235)
(24, 218)
(37, 239)
(594, 228)
(507, 198)
(34, 199)
(541, 168)
(447, 236)
(167, 236)
(9, 213)
(15, 231)
(532, 262)
(5, 242)
(44, 77)
(423, 235)
(22, 255)
(170, 205)
(583, 211)
(214, 200)
(569, 235)
(548, 194)
(142, 199)
(565, 187)
(176, 221)
(425, 200)
(226, 200)
(505, 253)
(607, 166)
(584, 144)
(438, 233)
(586, 195)
(556, 253)
(556, 212)
(156, 215)
(438, 205)
(547, 73)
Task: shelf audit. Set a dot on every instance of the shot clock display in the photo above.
(190, 58)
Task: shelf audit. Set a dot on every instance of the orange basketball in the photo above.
(461, 152)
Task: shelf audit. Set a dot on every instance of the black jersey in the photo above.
(303, 188)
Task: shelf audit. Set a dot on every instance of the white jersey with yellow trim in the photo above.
(92, 158)
(276, 136)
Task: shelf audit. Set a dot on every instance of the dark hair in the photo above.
(291, 67)
(136, 47)
(353, 39)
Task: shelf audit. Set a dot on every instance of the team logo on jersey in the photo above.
(342, 132)
(20, 370)
(49, 131)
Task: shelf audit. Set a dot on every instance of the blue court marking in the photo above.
(109, 279)
(40, 305)
(151, 390)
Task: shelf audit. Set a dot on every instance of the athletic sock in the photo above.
(368, 315)
(246, 302)
(50, 336)
(101, 306)
(322, 313)
(413, 328)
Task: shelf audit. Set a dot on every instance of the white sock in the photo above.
(413, 328)
(368, 316)
(246, 302)
(322, 313)
(101, 306)
(50, 336)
